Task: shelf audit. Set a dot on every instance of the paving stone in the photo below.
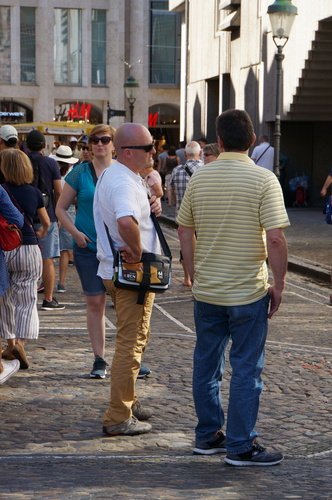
(52, 446)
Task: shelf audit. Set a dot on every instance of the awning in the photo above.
(55, 128)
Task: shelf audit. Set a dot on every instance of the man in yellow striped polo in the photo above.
(238, 213)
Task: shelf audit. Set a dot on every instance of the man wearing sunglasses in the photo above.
(121, 203)
(86, 152)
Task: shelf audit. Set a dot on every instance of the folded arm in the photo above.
(129, 231)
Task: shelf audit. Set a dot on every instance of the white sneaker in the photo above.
(9, 369)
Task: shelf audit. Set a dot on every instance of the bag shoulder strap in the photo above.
(36, 165)
(187, 169)
(110, 242)
(263, 154)
(162, 239)
(35, 160)
(93, 172)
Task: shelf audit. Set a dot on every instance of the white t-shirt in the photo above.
(120, 193)
(267, 159)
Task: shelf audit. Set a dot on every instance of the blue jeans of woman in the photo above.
(246, 327)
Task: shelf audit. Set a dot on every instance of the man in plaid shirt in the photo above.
(179, 181)
(180, 177)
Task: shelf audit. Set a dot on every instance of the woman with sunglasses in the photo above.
(211, 152)
(80, 184)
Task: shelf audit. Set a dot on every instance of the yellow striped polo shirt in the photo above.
(232, 202)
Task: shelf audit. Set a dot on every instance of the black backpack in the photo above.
(38, 178)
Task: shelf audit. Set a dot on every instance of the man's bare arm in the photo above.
(327, 184)
(188, 244)
(278, 257)
(57, 189)
(129, 231)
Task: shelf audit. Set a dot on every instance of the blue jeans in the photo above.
(246, 326)
(86, 264)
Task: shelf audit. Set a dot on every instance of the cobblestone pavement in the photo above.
(51, 441)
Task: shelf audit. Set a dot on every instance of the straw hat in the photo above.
(65, 154)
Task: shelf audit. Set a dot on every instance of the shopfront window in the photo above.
(28, 45)
(164, 123)
(164, 45)
(68, 46)
(77, 111)
(12, 112)
(5, 76)
(98, 49)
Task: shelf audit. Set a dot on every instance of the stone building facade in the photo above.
(68, 61)
(228, 60)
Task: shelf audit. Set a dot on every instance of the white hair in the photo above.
(193, 148)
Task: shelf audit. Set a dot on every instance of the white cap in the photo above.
(73, 139)
(8, 132)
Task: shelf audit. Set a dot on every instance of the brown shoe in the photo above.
(7, 354)
(19, 353)
(139, 412)
(130, 427)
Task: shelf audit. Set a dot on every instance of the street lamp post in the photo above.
(282, 14)
(131, 87)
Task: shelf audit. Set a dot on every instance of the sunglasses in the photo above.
(146, 148)
(85, 148)
(104, 140)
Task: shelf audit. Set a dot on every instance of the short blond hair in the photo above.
(102, 128)
(16, 167)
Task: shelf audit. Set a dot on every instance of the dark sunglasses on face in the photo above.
(104, 140)
(85, 148)
(146, 148)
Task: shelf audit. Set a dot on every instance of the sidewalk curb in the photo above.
(316, 272)
(294, 265)
(169, 221)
